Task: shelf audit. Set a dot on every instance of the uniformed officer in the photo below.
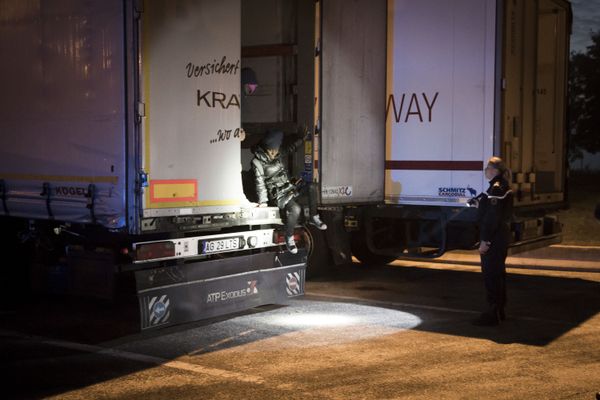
(495, 213)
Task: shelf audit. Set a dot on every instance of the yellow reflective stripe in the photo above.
(203, 203)
(390, 187)
(173, 190)
(146, 96)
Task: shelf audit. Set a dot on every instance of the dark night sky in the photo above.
(586, 18)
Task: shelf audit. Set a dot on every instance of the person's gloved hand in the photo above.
(303, 133)
(306, 133)
(484, 247)
(474, 202)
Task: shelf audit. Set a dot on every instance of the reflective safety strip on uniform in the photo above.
(489, 196)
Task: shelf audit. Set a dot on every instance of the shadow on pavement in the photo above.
(540, 308)
(53, 345)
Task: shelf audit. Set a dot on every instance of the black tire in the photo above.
(319, 257)
(361, 251)
(15, 285)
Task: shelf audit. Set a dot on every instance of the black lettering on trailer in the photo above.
(218, 97)
(203, 97)
(414, 108)
(72, 191)
(211, 98)
(430, 106)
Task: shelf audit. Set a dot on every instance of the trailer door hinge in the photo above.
(138, 5)
(3, 196)
(140, 112)
(143, 179)
(318, 127)
(46, 192)
(91, 196)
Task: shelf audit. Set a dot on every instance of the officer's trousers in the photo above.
(493, 268)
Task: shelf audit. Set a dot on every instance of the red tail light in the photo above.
(279, 237)
(151, 251)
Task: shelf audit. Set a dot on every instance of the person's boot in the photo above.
(290, 244)
(488, 318)
(315, 220)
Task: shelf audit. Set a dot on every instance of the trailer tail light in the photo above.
(279, 237)
(151, 251)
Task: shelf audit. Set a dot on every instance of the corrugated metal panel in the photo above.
(62, 110)
(353, 101)
(550, 97)
(533, 120)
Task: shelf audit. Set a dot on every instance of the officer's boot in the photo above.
(488, 318)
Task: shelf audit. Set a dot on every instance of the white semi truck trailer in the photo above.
(408, 100)
(121, 119)
(120, 148)
(416, 96)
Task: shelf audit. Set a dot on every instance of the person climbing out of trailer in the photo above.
(273, 184)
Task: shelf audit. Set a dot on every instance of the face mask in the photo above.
(250, 88)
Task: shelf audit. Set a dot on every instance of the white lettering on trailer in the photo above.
(224, 295)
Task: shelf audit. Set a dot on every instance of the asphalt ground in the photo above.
(556, 257)
(401, 331)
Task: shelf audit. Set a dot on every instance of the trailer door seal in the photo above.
(46, 192)
(3, 196)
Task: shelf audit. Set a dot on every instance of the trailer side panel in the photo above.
(440, 100)
(62, 111)
(191, 93)
(353, 129)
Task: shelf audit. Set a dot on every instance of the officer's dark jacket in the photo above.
(271, 177)
(495, 210)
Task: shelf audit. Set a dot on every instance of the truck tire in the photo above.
(361, 251)
(15, 285)
(319, 257)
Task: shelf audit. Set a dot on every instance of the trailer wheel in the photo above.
(361, 251)
(319, 257)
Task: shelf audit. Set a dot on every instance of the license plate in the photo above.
(219, 245)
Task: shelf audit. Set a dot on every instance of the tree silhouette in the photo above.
(584, 100)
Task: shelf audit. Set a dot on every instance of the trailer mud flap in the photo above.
(190, 292)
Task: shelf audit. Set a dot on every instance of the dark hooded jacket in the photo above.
(272, 181)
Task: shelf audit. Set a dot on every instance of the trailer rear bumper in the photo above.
(190, 292)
